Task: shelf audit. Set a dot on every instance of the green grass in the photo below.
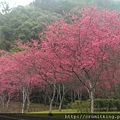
(57, 115)
(61, 114)
(71, 111)
(57, 111)
(42, 111)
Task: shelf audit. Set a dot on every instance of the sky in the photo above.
(14, 3)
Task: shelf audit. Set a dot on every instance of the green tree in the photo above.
(25, 23)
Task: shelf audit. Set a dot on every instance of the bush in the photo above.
(68, 106)
(99, 105)
(117, 104)
(107, 104)
(80, 105)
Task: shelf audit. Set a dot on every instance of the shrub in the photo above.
(80, 105)
(107, 104)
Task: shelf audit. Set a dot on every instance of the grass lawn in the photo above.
(67, 114)
(59, 112)
(72, 114)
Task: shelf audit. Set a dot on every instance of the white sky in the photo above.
(13, 3)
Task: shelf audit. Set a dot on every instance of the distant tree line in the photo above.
(26, 22)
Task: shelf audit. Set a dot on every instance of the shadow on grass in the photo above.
(62, 116)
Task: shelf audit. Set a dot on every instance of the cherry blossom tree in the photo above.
(8, 84)
(83, 49)
(80, 47)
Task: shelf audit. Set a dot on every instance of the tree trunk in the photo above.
(80, 98)
(28, 103)
(53, 96)
(92, 100)
(3, 104)
(61, 97)
(71, 96)
(74, 96)
(50, 109)
(60, 106)
(24, 99)
(91, 95)
(7, 104)
(57, 97)
(23, 106)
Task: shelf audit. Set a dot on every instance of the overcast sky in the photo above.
(14, 3)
